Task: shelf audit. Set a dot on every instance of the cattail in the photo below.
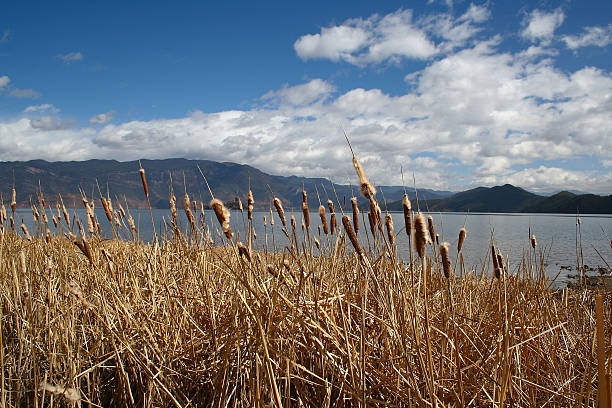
(194, 205)
(534, 243)
(110, 204)
(48, 236)
(66, 215)
(44, 216)
(250, 202)
(421, 237)
(496, 265)
(279, 209)
(271, 217)
(317, 243)
(355, 214)
(54, 221)
(323, 220)
(107, 211)
(446, 262)
(305, 210)
(500, 261)
(462, 235)
(332, 216)
(172, 207)
(351, 234)
(265, 221)
(35, 213)
(303, 226)
(25, 232)
(122, 211)
(14, 201)
(293, 224)
(80, 227)
(244, 251)
(3, 214)
(372, 221)
(286, 264)
(407, 206)
(132, 224)
(437, 239)
(240, 205)
(367, 190)
(389, 225)
(431, 227)
(223, 216)
(12, 223)
(578, 221)
(143, 178)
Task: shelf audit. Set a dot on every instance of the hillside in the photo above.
(511, 199)
(227, 181)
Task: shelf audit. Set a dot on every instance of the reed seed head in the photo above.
(279, 209)
(446, 262)
(323, 220)
(462, 235)
(355, 214)
(351, 234)
(223, 216)
(421, 237)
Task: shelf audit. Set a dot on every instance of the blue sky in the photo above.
(460, 93)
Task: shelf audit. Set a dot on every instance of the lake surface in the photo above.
(556, 234)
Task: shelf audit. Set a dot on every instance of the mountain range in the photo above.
(230, 180)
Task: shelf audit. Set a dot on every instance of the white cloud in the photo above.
(45, 107)
(540, 25)
(391, 37)
(102, 118)
(545, 179)
(24, 93)
(51, 123)
(70, 57)
(312, 91)
(592, 36)
(4, 80)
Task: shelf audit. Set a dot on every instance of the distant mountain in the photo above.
(227, 181)
(511, 199)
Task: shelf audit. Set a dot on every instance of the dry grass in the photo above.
(112, 322)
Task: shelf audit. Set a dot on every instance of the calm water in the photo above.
(555, 233)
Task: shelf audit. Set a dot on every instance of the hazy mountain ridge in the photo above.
(227, 181)
(511, 199)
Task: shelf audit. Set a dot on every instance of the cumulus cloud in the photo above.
(51, 123)
(102, 118)
(25, 93)
(592, 36)
(70, 58)
(312, 91)
(391, 37)
(45, 107)
(4, 80)
(540, 25)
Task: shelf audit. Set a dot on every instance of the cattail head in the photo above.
(250, 202)
(446, 262)
(223, 216)
(279, 209)
(107, 210)
(372, 222)
(244, 251)
(132, 224)
(332, 216)
(35, 212)
(14, 201)
(534, 243)
(54, 221)
(496, 265)
(48, 236)
(265, 221)
(578, 221)
(3, 214)
(271, 217)
(462, 235)
(355, 214)
(421, 237)
(431, 227)
(330, 205)
(12, 223)
(25, 232)
(240, 207)
(367, 189)
(172, 207)
(293, 224)
(351, 234)
(389, 225)
(66, 215)
(143, 178)
(407, 206)
(305, 210)
(323, 219)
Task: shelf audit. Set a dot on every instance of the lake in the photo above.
(556, 234)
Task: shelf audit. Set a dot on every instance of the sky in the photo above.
(460, 94)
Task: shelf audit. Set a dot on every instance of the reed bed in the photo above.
(326, 321)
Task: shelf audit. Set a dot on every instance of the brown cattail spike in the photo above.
(14, 201)
(250, 202)
(355, 214)
(421, 237)
(323, 219)
(305, 210)
(143, 178)
(351, 234)
(534, 243)
(332, 216)
(462, 235)
(244, 251)
(446, 262)
(431, 227)
(279, 209)
(389, 225)
(223, 215)
(25, 232)
(172, 208)
(407, 206)
(367, 190)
